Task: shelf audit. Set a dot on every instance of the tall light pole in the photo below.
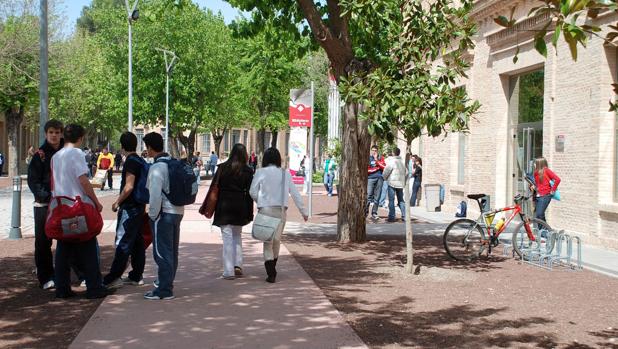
(44, 63)
(170, 58)
(132, 15)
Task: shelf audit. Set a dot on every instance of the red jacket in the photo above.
(378, 165)
(542, 187)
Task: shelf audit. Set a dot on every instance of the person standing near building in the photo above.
(196, 163)
(1, 163)
(39, 180)
(70, 179)
(417, 176)
(329, 174)
(129, 238)
(384, 191)
(374, 181)
(395, 177)
(253, 161)
(165, 220)
(546, 184)
(118, 161)
(234, 208)
(213, 162)
(266, 189)
(105, 162)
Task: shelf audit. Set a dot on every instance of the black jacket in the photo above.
(234, 205)
(39, 172)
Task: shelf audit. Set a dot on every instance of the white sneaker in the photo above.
(82, 284)
(128, 281)
(49, 285)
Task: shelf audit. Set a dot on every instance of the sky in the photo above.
(73, 8)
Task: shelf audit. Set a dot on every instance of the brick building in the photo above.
(553, 107)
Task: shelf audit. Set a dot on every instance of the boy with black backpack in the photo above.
(131, 204)
(166, 209)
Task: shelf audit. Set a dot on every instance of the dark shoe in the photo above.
(270, 271)
(153, 295)
(65, 295)
(100, 293)
(237, 271)
(391, 220)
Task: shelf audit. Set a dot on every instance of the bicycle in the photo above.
(465, 239)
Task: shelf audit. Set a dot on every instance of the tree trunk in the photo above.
(218, 138)
(261, 138)
(406, 197)
(175, 152)
(14, 118)
(273, 140)
(353, 176)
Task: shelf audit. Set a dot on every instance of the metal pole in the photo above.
(167, 107)
(44, 64)
(15, 232)
(130, 76)
(311, 153)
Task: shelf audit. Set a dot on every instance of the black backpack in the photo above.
(183, 182)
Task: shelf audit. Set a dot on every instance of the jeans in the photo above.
(196, 172)
(328, 183)
(85, 256)
(374, 188)
(415, 189)
(392, 192)
(271, 248)
(129, 243)
(43, 258)
(232, 248)
(166, 238)
(383, 193)
(212, 169)
(542, 203)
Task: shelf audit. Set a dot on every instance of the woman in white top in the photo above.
(266, 191)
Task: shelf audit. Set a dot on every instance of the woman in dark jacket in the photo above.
(234, 208)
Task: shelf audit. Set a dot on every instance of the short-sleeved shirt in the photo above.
(132, 165)
(68, 164)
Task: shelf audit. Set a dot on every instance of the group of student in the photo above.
(58, 169)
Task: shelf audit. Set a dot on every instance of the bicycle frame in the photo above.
(516, 211)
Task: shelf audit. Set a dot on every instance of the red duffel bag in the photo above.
(72, 220)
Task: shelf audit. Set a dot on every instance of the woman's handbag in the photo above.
(210, 201)
(265, 227)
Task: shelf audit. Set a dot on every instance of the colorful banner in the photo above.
(297, 151)
(300, 108)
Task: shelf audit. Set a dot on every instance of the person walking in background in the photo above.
(384, 191)
(88, 159)
(374, 181)
(329, 173)
(417, 176)
(105, 162)
(213, 162)
(266, 190)
(39, 182)
(129, 238)
(234, 208)
(253, 161)
(196, 163)
(70, 179)
(165, 220)
(118, 161)
(395, 177)
(546, 184)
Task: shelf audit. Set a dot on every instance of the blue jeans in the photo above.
(392, 192)
(383, 193)
(374, 188)
(196, 172)
(328, 183)
(415, 188)
(166, 238)
(541, 206)
(129, 243)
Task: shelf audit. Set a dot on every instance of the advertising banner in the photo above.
(300, 108)
(297, 152)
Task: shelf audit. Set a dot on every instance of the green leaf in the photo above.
(556, 36)
(502, 21)
(540, 46)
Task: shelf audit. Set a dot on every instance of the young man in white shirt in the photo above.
(165, 220)
(70, 179)
(395, 175)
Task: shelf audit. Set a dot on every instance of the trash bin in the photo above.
(432, 197)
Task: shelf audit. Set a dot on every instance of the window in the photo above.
(226, 143)
(206, 143)
(246, 138)
(235, 136)
(461, 158)
(267, 137)
(139, 133)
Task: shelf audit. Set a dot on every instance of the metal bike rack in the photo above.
(558, 250)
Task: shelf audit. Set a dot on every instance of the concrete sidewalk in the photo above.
(214, 313)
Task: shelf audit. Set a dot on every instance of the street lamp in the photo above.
(132, 15)
(169, 65)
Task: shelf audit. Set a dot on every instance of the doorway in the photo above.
(526, 114)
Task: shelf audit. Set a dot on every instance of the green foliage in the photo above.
(318, 177)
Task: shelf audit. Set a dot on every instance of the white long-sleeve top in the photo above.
(266, 189)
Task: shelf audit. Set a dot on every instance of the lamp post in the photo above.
(170, 58)
(132, 15)
(44, 63)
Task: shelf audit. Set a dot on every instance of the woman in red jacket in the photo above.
(546, 185)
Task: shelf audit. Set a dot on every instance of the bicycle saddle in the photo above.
(475, 196)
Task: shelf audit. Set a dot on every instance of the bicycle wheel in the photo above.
(522, 243)
(463, 240)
